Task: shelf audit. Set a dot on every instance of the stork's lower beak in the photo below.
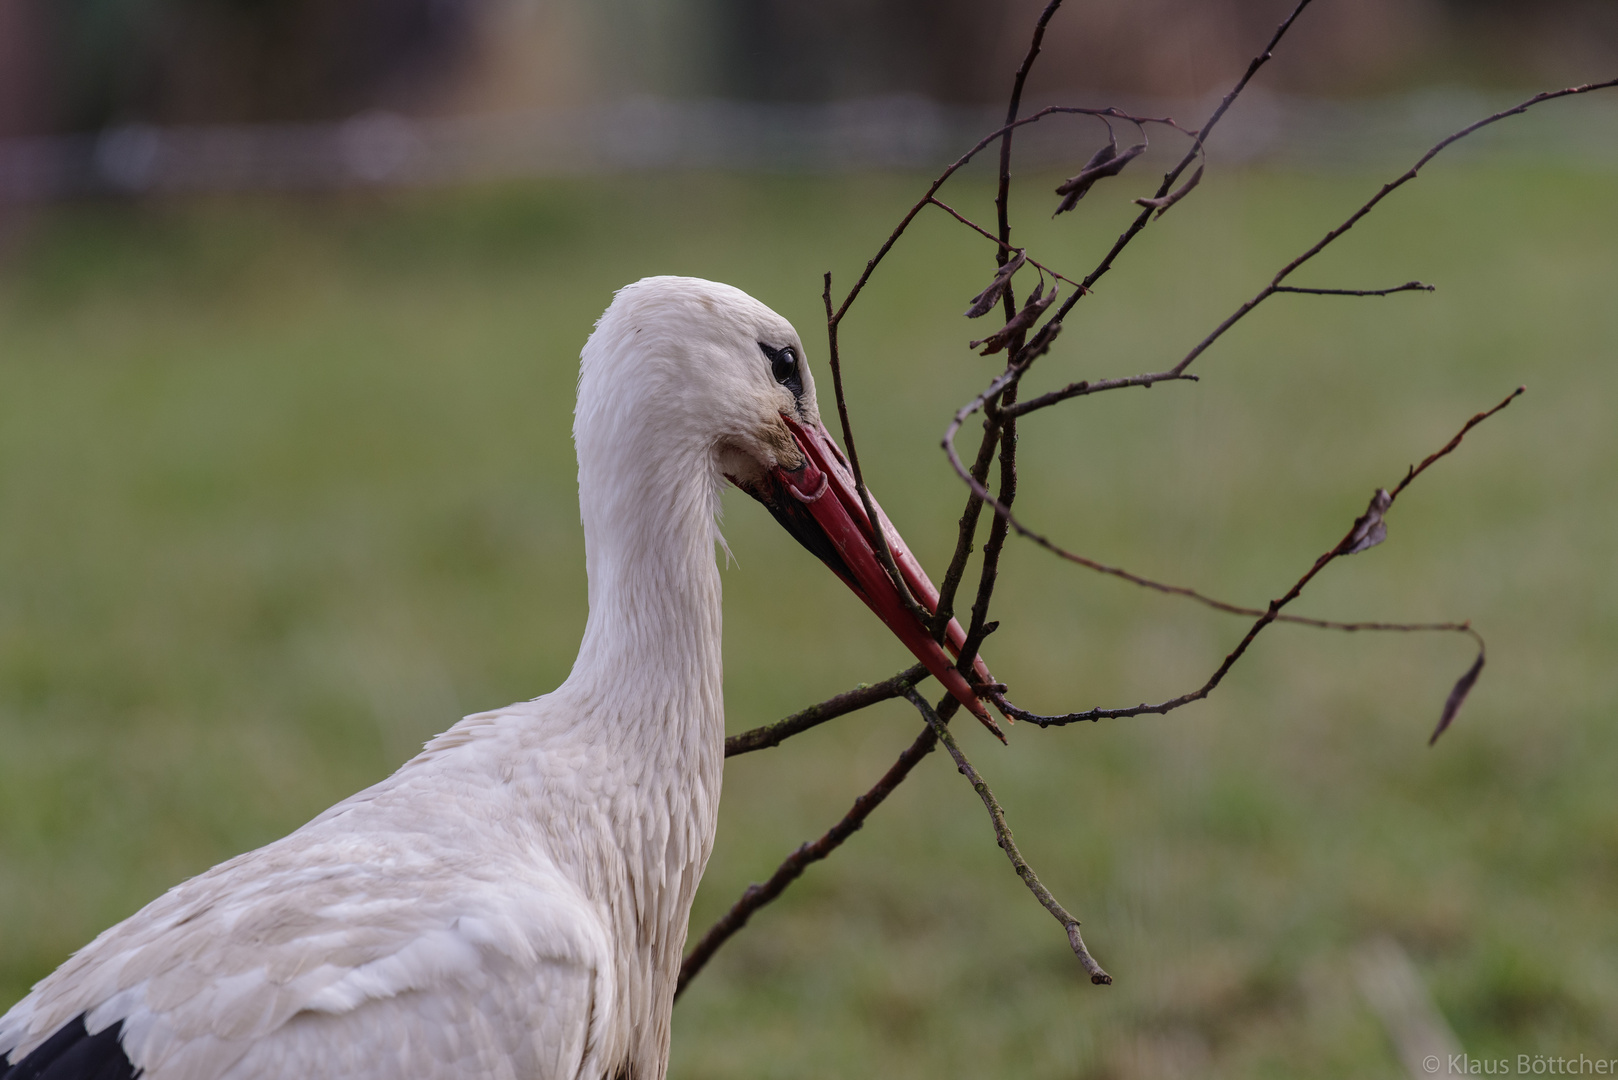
(820, 506)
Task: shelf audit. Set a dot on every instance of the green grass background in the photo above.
(286, 487)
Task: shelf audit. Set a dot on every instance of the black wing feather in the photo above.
(72, 1053)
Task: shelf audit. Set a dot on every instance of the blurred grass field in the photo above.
(287, 487)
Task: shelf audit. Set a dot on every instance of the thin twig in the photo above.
(1252, 69)
(966, 530)
(1449, 447)
(1085, 387)
(992, 433)
(878, 534)
(1003, 190)
(1387, 189)
(1271, 614)
(989, 573)
(1002, 835)
(763, 738)
(756, 896)
(1005, 247)
(1237, 609)
(1409, 286)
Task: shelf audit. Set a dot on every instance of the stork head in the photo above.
(705, 373)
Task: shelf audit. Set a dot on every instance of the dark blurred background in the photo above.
(83, 65)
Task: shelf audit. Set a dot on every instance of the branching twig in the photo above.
(1387, 189)
(1002, 835)
(756, 896)
(1023, 343)
(762, 738)
(1353, 540)
(1005, 248)
(1237, 609)
(1086, 387)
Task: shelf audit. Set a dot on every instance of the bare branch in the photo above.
(967, 526)
(1409, 286)
(1005, 247)
(1161, 205)
(1002, 835)
(1085, 387)
(1450, 446)
(1251, 612)
(1023, 344)
(1003, 133)
(1252, 69)
(1387, 189)
(1003, 191)
(862, 696)
(1347, 545)
(878, 535)
(966, 530)
(756, 896)
(989, 573)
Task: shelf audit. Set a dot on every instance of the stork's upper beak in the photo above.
(819, 504)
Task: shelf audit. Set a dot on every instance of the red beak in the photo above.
(830, 520)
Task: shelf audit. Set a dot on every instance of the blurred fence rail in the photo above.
(899, 133)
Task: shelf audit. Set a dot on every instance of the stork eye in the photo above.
(784, 367)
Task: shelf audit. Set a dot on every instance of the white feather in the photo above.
(513, 901)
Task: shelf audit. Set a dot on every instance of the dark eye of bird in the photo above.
(784, 367)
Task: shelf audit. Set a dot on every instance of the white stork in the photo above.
(513, 901)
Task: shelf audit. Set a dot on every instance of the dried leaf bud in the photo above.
(1020, 322)
(984, 302)
(1457, 697)
(1368, 530)
(1074, 187)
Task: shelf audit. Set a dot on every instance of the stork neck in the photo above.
(647, 684)
(654, 593)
